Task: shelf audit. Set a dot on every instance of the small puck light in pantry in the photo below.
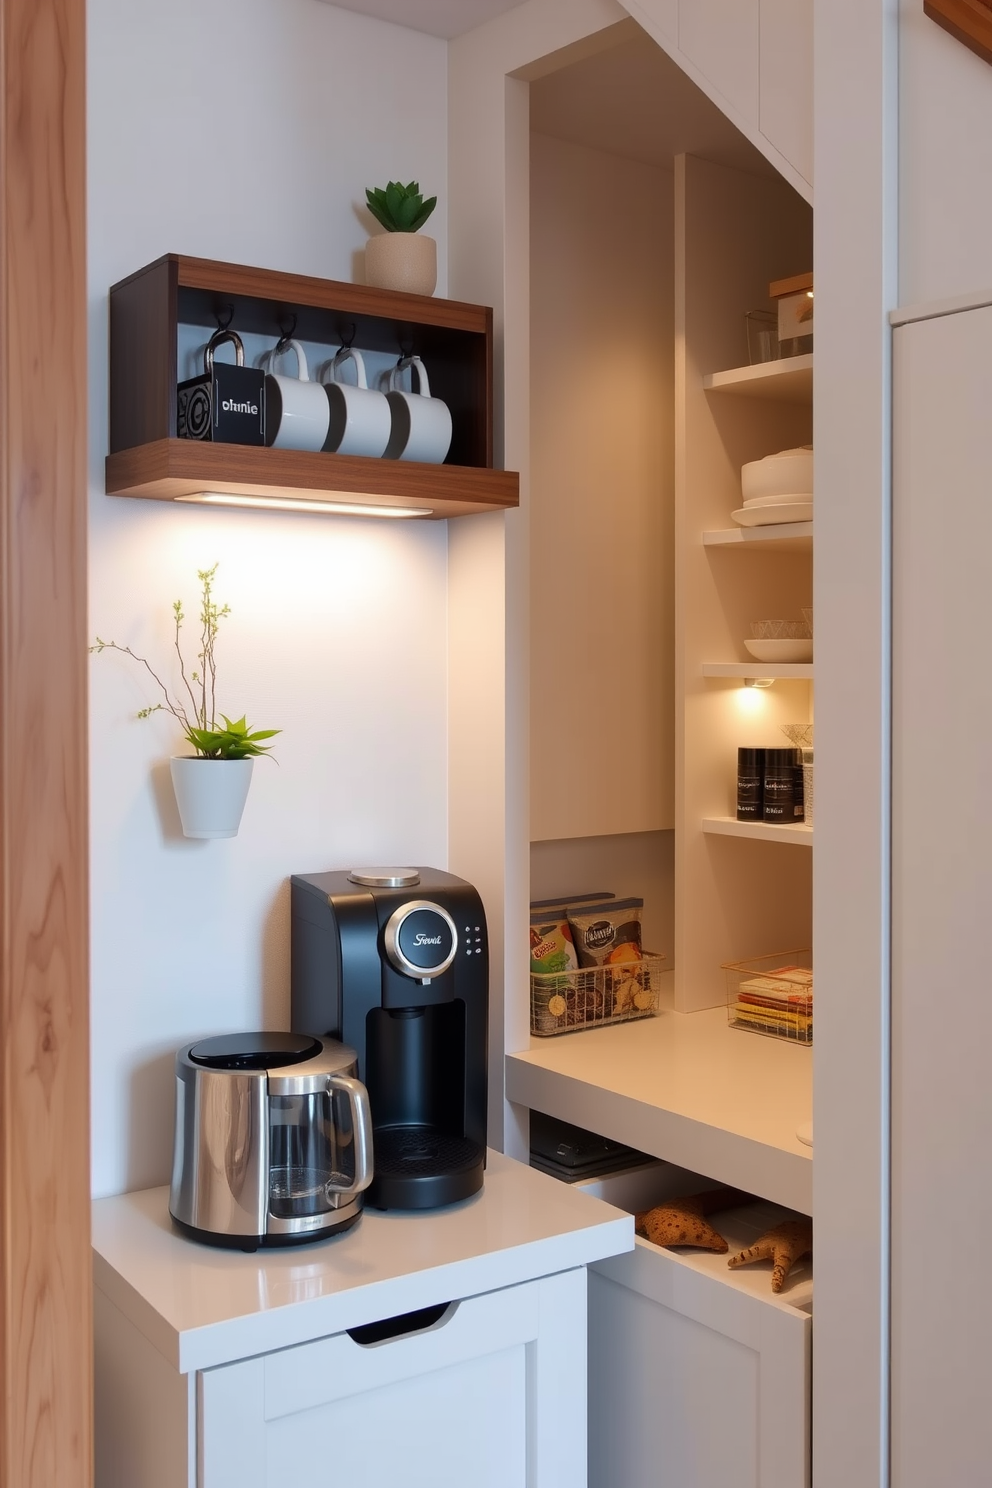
(302, 504)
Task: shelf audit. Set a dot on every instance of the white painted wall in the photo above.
(247, 130)
(945, 162)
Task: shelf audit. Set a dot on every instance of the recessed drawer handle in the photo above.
(397, 1327)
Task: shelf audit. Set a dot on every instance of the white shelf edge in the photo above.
(687, 1088)
(787, 536)
(790, 379)
(728, 826)
(778, 671)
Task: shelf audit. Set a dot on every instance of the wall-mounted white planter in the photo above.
(404, 261)
(210, 794)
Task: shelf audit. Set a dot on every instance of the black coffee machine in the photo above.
(394, 962)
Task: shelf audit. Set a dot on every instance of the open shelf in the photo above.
(798, 834)
(687, 1088)
(782, 671)
(168, 469)
(789, 380)
(780, 537)
(147, 460)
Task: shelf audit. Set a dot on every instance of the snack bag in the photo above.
(552, 948)
(608, 934)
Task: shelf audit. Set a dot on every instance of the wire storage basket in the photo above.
(590, 997)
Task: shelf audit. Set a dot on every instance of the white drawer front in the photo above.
(477, 1399)
(694, 1382)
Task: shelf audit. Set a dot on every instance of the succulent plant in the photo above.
(400, 208)
(235, 741)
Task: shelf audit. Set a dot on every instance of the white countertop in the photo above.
(687, 1088)
(201, 1306)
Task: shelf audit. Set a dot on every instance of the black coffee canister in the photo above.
(750, 774)
(782, 793)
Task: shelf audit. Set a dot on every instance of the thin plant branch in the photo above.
(177, 610)
(171, 705)
(236, 740)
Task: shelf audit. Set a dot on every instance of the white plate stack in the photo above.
(778, 488)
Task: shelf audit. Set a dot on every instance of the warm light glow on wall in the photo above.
(301, 504)
(750, 700)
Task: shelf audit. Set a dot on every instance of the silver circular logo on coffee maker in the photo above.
(420, 939)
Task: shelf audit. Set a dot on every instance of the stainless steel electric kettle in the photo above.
(273, 1139)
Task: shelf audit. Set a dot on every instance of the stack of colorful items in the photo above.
(772, 996)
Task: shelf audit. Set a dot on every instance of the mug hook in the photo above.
(287, 335)
(347, 342)
(220, 311)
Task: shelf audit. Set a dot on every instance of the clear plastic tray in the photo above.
(772, 995)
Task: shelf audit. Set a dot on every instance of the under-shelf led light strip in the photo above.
(301, 504)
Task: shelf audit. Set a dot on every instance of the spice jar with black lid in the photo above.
(750, 774)
(782, 790)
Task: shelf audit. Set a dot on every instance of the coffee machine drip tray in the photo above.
(445, 1167)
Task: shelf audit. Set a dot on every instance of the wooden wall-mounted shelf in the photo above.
(968, 20)
(146, 458)
(174, 469)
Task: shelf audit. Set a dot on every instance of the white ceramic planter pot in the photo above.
(404, 261)
(210, 794)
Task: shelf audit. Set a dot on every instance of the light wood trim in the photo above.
(45, 1302)
(798, 282)
(168, 468)
(970, 21)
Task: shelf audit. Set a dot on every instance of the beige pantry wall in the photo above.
(602, 478)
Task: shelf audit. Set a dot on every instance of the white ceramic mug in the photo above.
(421, 425)
(360, 420)
(296, 412)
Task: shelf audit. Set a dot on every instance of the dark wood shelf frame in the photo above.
(146, 459)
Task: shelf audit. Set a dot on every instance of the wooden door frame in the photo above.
(45, 1270)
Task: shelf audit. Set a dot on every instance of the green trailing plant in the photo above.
(400, 208)
(196, 712)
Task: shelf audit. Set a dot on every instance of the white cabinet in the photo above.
(428, 1350)
(942, 887)
(484, 1396)
(699, 1377)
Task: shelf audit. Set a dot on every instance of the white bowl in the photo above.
(775, 512)
(787, 474)
(780, 650)
(780, 500)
